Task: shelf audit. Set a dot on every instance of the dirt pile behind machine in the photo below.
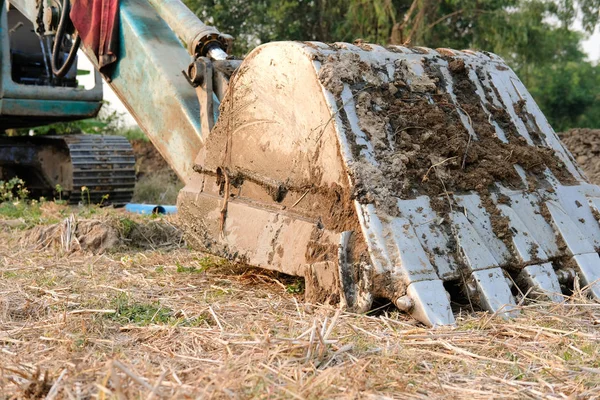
(584, 144)
(428, 178)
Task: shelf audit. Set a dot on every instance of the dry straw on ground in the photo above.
(177, 324)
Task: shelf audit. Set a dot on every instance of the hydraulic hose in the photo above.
(58, 39)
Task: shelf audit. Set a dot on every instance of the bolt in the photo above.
(471, 288)
(196, 74)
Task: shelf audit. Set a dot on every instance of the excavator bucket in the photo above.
(429, 178)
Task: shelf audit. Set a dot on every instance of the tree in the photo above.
(568, 94)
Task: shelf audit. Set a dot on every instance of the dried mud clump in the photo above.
(344, 68)
(430, 133)
(584, 144)
(101, 236)
(70, 235)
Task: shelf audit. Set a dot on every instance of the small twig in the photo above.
(54, 389)
(300, 199)
(157, 385)
(214, 314)
(133, 376)
(92, 311)
(426, 176)
(467, 291)
(464, 160)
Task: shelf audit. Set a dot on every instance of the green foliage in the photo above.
(85, 192)
(108, 122)
(126, 226)
(296, 287)
(568, 93)
(129, 312)
(29, 212)
(254, 22)
(204, 264)
(15, 205)
(13, 189)
(143, 314)
(160, 187)
(132, 134)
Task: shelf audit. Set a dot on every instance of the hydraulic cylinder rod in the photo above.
(199, 38)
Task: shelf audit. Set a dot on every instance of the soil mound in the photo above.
(99, 236)
(71, 235)
(148, 160)
(584, 144)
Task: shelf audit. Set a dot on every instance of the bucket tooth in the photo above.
(431, 305)
(494, 292)
(589, 268)
(543, 280)
(397, 253)
(584, 254)
(492, 287)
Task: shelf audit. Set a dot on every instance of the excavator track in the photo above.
(104, 166)
(88, 169)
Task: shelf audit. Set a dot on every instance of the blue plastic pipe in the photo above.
(150, 209)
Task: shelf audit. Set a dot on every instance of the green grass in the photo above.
(295, 287)
(28, 212)
(133, 133)
(130, 312)
(204, 264)
(126, 226)
(144, 314)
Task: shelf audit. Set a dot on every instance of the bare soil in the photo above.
(148, 160)
(584, 144)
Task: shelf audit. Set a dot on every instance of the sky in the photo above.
(591, 46)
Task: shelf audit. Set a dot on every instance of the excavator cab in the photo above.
(30, 95)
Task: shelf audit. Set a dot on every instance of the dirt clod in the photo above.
(584, 144)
